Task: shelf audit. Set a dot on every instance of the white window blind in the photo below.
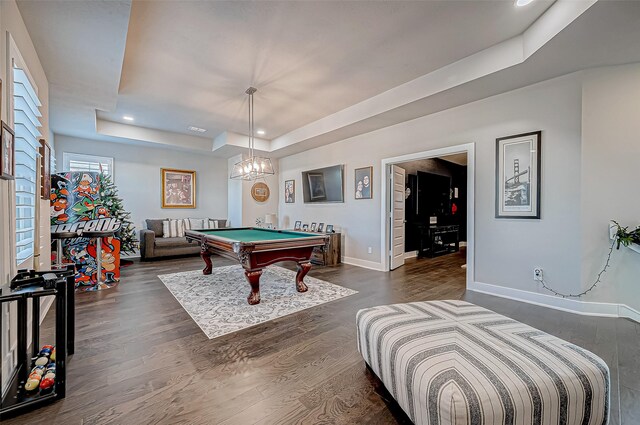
(82, 162)
(26, 108)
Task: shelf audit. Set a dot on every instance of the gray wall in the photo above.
(137, 175)
(506, 250)
(610, 179)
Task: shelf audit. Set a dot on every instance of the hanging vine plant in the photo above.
(626, 237)
(623, 236)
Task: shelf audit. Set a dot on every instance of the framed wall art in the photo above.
(363, 183)
(518, 160)
(289, 191)
(45, 170)
(178, 188)
(7, 153)
(260, 192)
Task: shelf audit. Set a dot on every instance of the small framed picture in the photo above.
(313, 227)
(329, 228)
(518, 176)
(7, 153)
(297, 226)
(305, 227)
(289, 191)
(363, 183)
(320, 227)
(45, 170)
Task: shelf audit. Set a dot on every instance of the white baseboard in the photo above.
(372, 265)
(410, 254)
(586, 308)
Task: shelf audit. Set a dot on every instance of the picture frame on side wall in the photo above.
(363, 183)
(7, 153)
(289, 191)
(178, 188)
(45, 170)
(518, 177)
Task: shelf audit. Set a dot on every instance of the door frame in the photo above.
(385, 200)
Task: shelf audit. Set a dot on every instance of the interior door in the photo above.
(397, 216)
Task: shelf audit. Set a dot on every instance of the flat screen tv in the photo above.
(323, 185)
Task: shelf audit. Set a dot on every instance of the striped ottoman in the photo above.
(452, 362)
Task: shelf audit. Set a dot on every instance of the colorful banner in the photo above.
(76, 206)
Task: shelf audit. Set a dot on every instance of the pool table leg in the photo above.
(254, 280)
(206, 256)
(303, 269)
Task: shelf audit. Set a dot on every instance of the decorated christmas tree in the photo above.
(113, 203)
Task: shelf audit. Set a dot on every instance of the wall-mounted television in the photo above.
(323, 185)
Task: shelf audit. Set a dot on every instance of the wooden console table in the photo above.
(332, 254)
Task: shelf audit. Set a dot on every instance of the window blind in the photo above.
(83, 162)
(27, 116)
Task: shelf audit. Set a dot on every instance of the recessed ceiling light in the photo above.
(520, 3)
(196, 129)
(261, 132)
(127, 118)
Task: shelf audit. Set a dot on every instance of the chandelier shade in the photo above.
(254, 167)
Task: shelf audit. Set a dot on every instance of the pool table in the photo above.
(257, 248)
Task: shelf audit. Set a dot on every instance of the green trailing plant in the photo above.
(626, 237)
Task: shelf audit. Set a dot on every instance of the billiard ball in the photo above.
(42, 361)
(53, 355)
(35, 375)
(50, 347)
(46, 383)
(32, 384)
(39, 370)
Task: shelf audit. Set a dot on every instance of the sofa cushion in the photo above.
(155, 225)
(171, 242)
(194, 223)
(217, 223)
(173, 228)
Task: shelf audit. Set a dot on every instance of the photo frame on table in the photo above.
(305, 227)
(363, 183)
(297, 226)
(313, 227)
(329, 228)
(320, 227)
(518, 177)
(289, 191)
(178, 188)
(7, 153)
(45, 170)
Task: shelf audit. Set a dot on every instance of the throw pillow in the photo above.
(173, 229)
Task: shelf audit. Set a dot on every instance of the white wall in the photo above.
(611, 178)
(506, 251)
(243, 210)
(137, 176)
(11, 23)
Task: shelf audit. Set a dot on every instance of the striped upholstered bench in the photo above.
(452, 362)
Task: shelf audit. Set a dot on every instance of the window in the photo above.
(26, 109)
(81, 162)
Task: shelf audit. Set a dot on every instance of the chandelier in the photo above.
(254, 167)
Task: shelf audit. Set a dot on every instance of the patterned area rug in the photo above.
(218, 302)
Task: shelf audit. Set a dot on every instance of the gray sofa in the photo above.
(153, 245)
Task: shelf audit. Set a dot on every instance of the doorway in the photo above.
(445, 221)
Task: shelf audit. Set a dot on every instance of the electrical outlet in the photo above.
(370, 250)
(537, 274)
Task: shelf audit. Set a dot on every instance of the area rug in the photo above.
(218, 302)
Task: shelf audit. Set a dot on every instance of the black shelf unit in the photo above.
(438, 240)
(16, 400)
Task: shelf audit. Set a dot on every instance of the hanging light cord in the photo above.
(598, 278)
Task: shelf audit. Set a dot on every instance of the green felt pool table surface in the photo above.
(256, 235)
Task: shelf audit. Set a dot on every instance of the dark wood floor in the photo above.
(140, 358)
